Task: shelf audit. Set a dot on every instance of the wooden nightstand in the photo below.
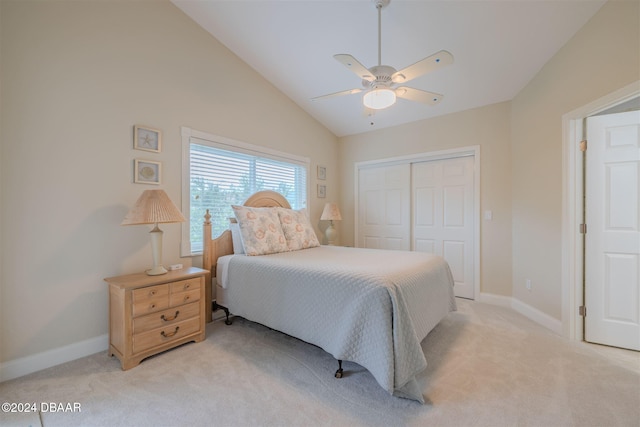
(151, 314)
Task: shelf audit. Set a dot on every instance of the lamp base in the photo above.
(156, 251)
(331, 234)
(156, 271)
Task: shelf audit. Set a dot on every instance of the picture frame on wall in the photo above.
(322, 173)
(147, 139)
(322, 191)
(146, 172)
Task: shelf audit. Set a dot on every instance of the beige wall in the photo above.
(601, 58)
(487, 127)
(75, 78)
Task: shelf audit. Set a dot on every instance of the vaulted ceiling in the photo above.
(498, 46)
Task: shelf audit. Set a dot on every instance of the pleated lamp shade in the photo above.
(331, 212)
(153, 207)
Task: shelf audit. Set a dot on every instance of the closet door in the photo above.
(443, 223)
(384, 217)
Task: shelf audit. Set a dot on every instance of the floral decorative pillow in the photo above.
(297, 229)
(260, 230)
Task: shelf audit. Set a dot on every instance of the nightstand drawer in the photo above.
(150, 299)
(160, 336)
(184, 297)
(165, 317)
(184, 285)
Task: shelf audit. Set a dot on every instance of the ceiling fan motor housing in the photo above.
(383, 75)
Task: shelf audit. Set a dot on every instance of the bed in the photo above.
(369, 306)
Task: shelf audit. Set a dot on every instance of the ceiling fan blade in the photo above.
(418, 95)
(426, 65)
(331, 95)
(354, 65)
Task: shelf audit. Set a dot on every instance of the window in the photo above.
(218, 173)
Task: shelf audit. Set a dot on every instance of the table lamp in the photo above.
(154, 207)
(331, 213)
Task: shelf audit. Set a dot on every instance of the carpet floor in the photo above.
(488, 366)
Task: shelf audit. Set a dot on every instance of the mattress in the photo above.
(368, 306)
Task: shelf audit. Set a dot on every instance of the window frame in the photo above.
(190, 136)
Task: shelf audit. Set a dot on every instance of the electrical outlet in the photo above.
(528, 284)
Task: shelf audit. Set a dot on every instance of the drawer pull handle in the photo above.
(153, 306)
(175, 316)
(186, 298)
(187, 286)
(152, 293)
(170, 334)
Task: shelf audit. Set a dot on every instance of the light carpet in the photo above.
(488, 366)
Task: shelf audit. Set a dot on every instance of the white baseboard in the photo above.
(532, 313)
(495, 299)
(29, 364)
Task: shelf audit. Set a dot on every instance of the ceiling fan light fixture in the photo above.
(378, 99)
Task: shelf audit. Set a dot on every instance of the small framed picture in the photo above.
(322, 173)
(146, 172)
(322, 191)
(147, 139)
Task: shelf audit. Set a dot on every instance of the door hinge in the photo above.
(583, 228)
(582, 311)
(583, 145)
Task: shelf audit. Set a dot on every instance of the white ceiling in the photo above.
(498, 47)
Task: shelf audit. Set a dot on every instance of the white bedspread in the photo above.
(372, 307)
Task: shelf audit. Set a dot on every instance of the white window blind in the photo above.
(221, 174)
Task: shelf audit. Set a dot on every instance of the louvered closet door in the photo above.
(442, 196)
(384, 207)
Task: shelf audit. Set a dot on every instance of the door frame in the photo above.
(572, 206)
(473, 150)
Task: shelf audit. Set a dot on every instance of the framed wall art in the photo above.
(322, 191)
(322, 173)
(146, 172)
(147, 139)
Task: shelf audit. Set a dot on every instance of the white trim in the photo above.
(37, 362)
(422, 157)
(532, 313)
(572, 132)
(493, 299)
(246, 147)
(453, 153)
(185, 203)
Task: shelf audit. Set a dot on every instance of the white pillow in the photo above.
(236, 238)
(297, 229)
(260, 230)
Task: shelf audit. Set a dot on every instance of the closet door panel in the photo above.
(384, 215)
(443, 194)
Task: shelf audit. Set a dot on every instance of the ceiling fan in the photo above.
(382, 83)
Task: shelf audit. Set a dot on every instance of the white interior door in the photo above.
(383, 211)
(443, 223)
(612, 241)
